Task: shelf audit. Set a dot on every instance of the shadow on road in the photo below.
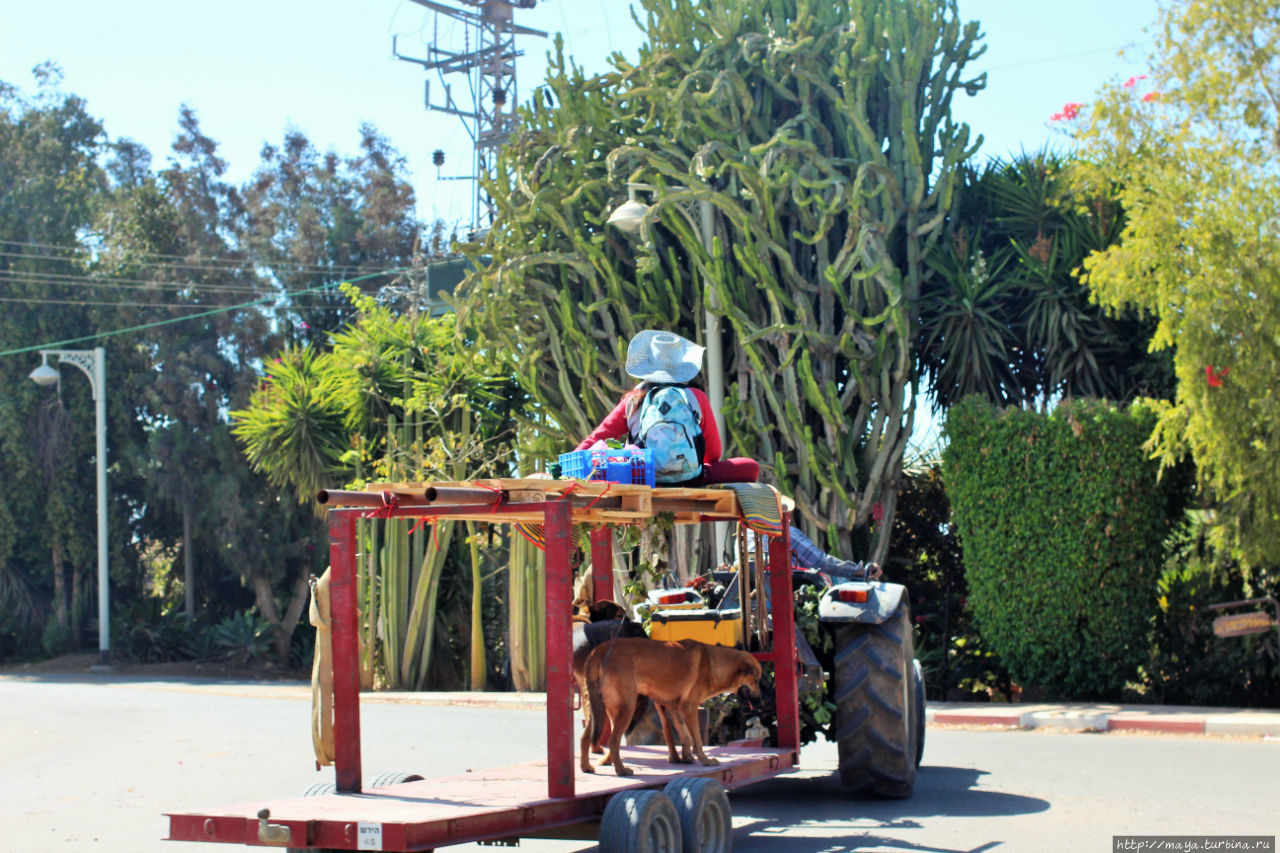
(840, 822)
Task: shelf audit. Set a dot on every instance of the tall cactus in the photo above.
(819, 132)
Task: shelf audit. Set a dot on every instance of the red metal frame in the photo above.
(316, 823)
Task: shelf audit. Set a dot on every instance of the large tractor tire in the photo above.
(917, 709)
(875, 694)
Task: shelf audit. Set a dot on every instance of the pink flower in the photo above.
(306, 327)
(1215, 379)
(1150, 96)
(877, 511)
(1069, 111)
(1133, 81)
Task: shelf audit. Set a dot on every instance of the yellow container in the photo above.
(713, 627)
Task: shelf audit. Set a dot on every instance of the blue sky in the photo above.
(249, 69)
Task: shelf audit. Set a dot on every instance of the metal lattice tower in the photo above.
(487, 59)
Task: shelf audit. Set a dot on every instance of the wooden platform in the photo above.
(593, 501)
(504, 803)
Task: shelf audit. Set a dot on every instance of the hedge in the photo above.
(1061, 521)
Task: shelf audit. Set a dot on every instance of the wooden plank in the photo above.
(594, 501)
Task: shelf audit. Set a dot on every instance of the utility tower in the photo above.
(487, 61)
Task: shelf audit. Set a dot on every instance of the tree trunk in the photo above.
(59, 584)
(188, 563)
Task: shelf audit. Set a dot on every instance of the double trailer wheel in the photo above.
(690, 815)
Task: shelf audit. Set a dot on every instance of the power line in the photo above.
(143, 326)
(33, 301)
(177, 261)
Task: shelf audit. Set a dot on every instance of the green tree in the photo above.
(311, 219)
(398, 398)
(50, 183)
(820, 135)
(1194, 151)
(1007, 317)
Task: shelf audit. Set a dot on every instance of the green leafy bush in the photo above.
(243, 637)
(925, 557)
(1061, 520)
(1189, 665)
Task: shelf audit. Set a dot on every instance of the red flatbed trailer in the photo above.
(535, 799)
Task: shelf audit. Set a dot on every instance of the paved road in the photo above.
(92, 765)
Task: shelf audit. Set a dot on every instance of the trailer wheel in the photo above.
(319, 789)
(640, 822)
(706, 824)
(394, 777)
(874, 693)
(917, 710)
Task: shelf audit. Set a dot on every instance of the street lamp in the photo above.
(94, 364)
(631, 217)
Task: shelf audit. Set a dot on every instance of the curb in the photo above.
(1235, 722)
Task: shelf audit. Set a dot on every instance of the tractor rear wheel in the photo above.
(875, 691)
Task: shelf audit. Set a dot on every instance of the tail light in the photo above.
(852, 596)
(673, 598)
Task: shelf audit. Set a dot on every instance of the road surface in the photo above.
(93, 763)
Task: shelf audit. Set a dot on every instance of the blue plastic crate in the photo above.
(626, 465)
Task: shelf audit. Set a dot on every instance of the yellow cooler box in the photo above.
(714, 627)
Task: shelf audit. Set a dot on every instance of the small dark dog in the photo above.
(598, 623)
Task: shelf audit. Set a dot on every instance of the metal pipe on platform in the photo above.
(461, 495)
(339, 497)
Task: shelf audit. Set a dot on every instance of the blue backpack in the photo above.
(669, 427)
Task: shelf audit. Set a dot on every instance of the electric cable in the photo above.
(222, 310)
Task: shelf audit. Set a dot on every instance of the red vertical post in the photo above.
(346, 665)
(558, 616)
(602, 562)
(784, 638)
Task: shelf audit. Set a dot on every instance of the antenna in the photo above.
(487, 61)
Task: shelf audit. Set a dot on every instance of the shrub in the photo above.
(925, 557)
(1189, 665)
(1061, 521)
(243, 637)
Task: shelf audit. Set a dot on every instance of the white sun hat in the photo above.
(663, 357)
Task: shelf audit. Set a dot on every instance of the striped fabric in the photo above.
(758, 505)
(537, 536)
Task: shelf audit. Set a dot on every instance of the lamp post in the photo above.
(94, 365)
(631, 217)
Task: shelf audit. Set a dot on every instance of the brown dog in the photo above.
(677, 676)
(602, 622)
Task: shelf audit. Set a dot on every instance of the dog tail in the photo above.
(642, 705)
(594, 701)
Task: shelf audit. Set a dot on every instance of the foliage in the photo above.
(1006, 316)
(819, 135)
(243, 637)
(1189, 665)
(397, 398)
(1193, 151)
(1061, 520)
(51, 183)
(926, 558)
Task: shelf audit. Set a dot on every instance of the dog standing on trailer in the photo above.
(678, 677)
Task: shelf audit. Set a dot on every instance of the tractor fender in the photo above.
(882, 600)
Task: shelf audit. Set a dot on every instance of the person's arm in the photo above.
(614, 425)
(711, 447)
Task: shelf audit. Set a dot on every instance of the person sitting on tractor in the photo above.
(667, 415)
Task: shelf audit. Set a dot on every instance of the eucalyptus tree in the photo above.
(51, 181)
(820, 135)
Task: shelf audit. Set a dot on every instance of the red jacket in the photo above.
(614, 425)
